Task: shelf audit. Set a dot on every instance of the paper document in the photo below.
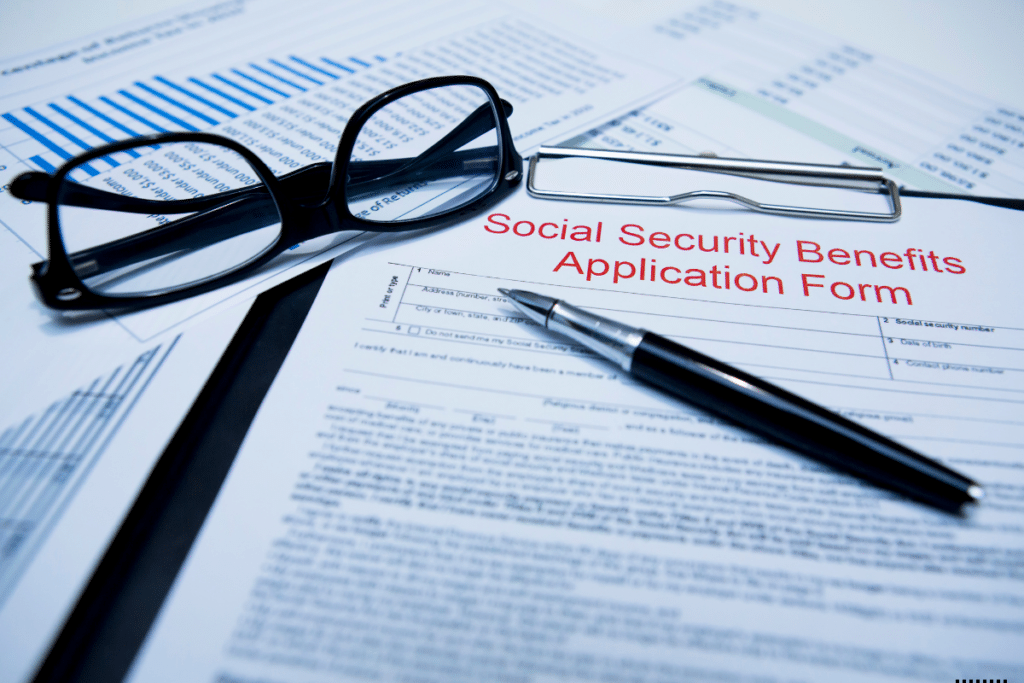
(764, 86)
(70, 472)
(435, 488)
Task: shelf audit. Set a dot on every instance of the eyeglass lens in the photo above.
(426, 154)
(170, 216)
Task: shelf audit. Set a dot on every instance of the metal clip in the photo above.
(842, 177)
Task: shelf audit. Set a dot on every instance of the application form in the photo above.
(437, 489)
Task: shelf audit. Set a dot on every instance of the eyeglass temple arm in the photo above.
(32, 186)
(238, 217)
(233, 217)
(443, 151)
(235, 214)
(437, 161)
(225, 215)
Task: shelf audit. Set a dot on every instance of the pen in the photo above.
(759, 406)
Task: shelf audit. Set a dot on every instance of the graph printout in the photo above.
(70, 471)
(44, 458)
(460, 495)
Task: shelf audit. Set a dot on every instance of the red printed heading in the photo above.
(746, 252)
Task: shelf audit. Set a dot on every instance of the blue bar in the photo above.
(53, 147)
(157, 110)
(274, 75)
(380, 59)
(223, 94)
(297, 73)
(245, 90)
(306, 64)
(177, 104)
(74, 119)
(95, 131)
(197, 98)
(358, 61)
(127, 112)
(101, 115)
(261, 83)
(340, 66)
(81, 143)
(39, 117)
(42, 163)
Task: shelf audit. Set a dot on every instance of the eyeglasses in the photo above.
(181, 214)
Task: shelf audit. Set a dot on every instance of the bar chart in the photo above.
(46, 457)
(59, 130)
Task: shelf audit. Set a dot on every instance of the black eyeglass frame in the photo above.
(59, 286)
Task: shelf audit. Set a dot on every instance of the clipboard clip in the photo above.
(821, 175)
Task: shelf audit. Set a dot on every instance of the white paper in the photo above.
(70, 472)
(764, 86)
(436, 489)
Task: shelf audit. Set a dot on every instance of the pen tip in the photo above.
(976, 493)
(535, 306)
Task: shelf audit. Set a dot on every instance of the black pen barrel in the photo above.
(787, 419)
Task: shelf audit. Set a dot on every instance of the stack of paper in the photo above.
(266, 75)
(435, 489)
